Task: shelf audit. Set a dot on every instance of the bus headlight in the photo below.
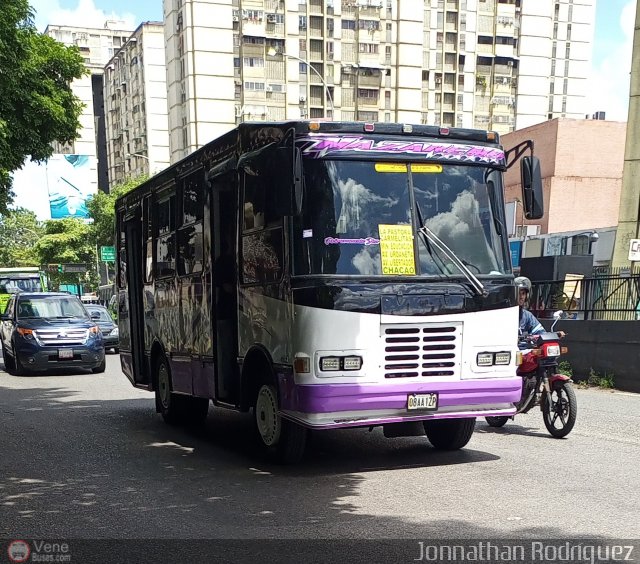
(338, 363)
(484, 359)
(330, 363)
(502, 358)
(352, 362)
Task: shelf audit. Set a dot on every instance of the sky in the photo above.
(608, 84)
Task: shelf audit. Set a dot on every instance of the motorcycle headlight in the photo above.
(552, 350)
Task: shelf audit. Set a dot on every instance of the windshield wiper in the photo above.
(442, 247)
(425, 240)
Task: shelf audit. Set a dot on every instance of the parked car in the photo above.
(102, 317)
(43, 331)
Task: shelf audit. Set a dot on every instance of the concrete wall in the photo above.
(607, 347)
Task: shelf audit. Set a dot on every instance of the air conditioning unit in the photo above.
(271, 18)
(269, 89)
(303, 99)
(235, 18)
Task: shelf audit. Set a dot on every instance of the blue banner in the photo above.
(516, 252)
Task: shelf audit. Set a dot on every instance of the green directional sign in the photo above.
(107, 254)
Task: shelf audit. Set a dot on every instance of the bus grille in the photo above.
(422, 350)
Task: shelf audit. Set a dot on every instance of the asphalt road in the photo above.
(86, 456)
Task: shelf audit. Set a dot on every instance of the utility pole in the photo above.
(629, 217)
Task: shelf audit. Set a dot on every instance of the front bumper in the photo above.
(110, 341)
(42, 359)
(325, 406)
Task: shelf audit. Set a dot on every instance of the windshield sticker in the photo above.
(366, 241)
(318, 146)
(306, 233)
(396, 249)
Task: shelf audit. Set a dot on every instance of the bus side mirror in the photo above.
(532, 195)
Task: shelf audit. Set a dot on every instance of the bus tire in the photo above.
(170, 405)
(280, 439)
(449, 434)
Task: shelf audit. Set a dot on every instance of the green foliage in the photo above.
(37, 105)
(564, 367)
(102, 210)
(19, 232)
(68, 241)
(596, 379)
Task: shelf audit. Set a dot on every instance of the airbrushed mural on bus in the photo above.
(325, 275)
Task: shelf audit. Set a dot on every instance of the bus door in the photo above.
(224, 229)
(133, 240)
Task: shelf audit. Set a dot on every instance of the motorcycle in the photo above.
(542, 385)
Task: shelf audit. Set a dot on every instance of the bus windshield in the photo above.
(360, 218)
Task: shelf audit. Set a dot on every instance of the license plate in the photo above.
(65, 353)
(422, 401)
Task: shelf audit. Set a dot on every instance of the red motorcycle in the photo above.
(543, 386)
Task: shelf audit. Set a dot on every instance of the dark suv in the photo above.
(43, 331)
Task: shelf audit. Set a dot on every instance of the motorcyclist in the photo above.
(529, 324)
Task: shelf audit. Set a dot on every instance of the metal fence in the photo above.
(611, 294)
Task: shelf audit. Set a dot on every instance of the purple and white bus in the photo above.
(325, 275)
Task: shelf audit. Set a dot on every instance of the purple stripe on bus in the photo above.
(330, 398)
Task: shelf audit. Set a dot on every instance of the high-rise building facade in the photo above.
(135, 93)
(96, 46)
(491, 64)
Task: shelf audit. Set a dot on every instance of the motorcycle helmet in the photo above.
(523, 283)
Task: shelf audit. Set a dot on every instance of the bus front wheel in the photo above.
(449, 434)
(175, 408)
(279, 437)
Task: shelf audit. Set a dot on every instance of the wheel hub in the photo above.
(267, 417)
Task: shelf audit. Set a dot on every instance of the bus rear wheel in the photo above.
(177, 409)
(279, 438)
(449, 434)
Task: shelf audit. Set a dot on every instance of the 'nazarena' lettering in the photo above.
(320, 146)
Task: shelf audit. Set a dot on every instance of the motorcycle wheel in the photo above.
(499, 421)
(559, 409)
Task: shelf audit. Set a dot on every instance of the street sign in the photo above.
(107, 254)
(79, 268)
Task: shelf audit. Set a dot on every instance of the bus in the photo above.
(20, 279)
(326, 275)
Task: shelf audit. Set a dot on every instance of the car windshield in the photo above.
(362, 218)
(50, 307)
(102, 314)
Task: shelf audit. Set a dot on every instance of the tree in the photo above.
(37, 105)
(68, 241)
(19, 232)
(102, 210)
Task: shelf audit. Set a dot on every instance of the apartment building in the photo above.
(135, 94)
(491, 64)
(97, 46)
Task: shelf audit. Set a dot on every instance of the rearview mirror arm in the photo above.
(513, 155)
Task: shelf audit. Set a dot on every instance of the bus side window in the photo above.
(262, 241)
(166, 236)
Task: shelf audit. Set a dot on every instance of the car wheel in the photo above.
(101, 367)
(20, 370)
(116, 350)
